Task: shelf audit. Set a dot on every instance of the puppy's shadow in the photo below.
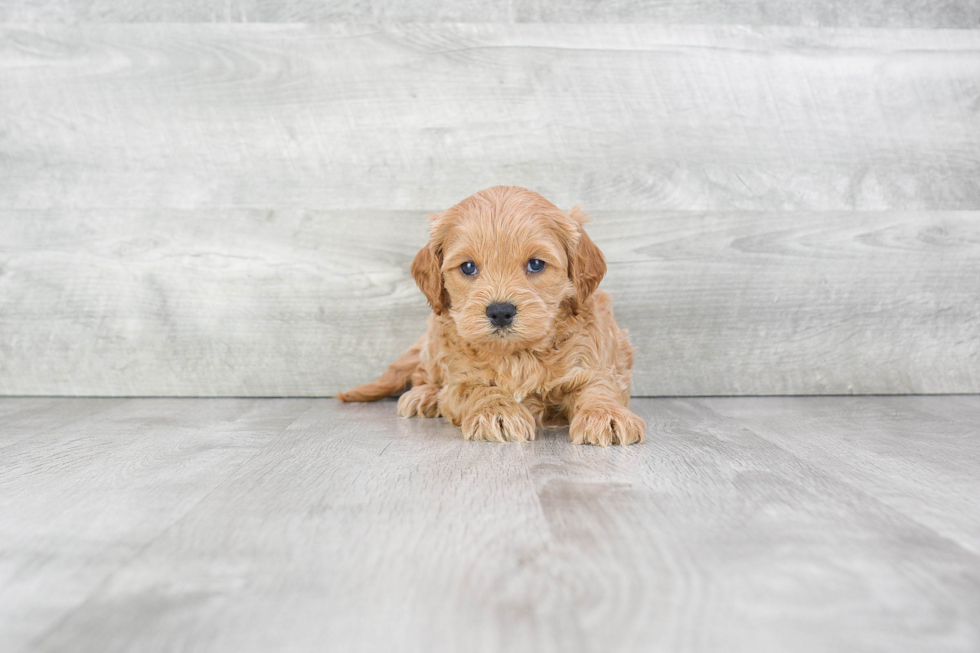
(552, 434)
(439, 429)
(428, 428)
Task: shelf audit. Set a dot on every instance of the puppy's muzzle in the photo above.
(501, 314)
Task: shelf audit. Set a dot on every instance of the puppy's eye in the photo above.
(535, 265)
(468, 268)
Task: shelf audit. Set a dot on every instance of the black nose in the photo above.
(501, 314)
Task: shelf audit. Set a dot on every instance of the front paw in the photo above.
(501, 423)
(605, 425)
(421, 401)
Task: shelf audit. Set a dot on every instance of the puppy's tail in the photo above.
(395, 379)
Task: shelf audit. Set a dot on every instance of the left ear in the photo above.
(586, 264)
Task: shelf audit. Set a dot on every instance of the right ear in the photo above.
(427, 270)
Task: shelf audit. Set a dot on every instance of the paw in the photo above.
(500, 424)
(605, 425)
(420, 401)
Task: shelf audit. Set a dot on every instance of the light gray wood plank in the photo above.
(708, 537)
(416, 117)
(296, 302)
(862, 303)
(922, 464)
(80, 501)
(963, 409)
(823, 523)
(12, 407)
(25, 418)
(827, 13)
(824, 13)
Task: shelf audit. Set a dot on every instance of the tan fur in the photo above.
(563, 361)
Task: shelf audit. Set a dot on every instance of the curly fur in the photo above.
(563, 361)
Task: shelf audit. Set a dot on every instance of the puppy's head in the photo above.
(503, 262)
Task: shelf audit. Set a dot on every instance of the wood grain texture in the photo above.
(825, 13)
(80, 501)
(910, 454)
(213, 209)
(740, 526)
(290, 302)
(27, 417)
(416, 117)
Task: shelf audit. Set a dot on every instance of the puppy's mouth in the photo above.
(502, 331)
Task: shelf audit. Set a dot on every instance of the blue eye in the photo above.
(535, 265)
(468, 268)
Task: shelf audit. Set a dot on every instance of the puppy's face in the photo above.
(503, 262)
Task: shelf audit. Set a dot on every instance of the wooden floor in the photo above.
(750, 524)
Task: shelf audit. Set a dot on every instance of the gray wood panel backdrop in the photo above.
(224, 200)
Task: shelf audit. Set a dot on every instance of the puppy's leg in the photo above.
(420, 401)
(599, 417)
(486, 413)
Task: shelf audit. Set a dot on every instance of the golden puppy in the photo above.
(518, 337)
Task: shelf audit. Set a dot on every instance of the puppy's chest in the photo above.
(522, 375)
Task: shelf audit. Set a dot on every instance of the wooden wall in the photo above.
(956, 14)
(788, 193)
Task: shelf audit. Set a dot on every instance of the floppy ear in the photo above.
(427, 271)
(586, 264)
(427, 266)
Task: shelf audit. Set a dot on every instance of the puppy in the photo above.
(519, 337)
